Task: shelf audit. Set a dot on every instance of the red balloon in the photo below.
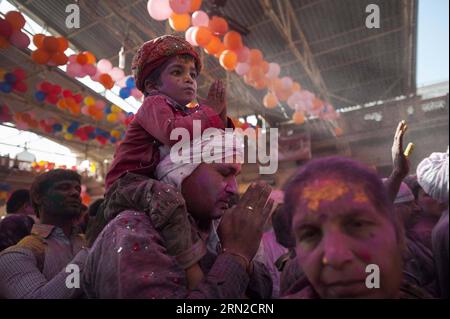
(20, 87)
(46, 87)
(78, 98)
(56, 89)
(67, 93)
(5, 28)
(20, 74)
(52, 99)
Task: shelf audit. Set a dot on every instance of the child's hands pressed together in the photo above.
(216, 97)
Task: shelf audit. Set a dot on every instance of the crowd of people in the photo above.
(171, 229)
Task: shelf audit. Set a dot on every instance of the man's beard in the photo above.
(59, 209)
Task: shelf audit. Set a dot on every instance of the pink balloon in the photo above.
(180, 6)
(117, 74)
(73, 58)
(100, 104)
(96, 76)
(274, 70)
(22, 126)
(136, 93)
(200, 18)
(89, 69)
(295, 101)
(286, 82)
(122, 116)
(242, 69)
(243, 54)
(104, 66)
(85, 110)
(190, 36)
(19, 40)
(122, 82)
(159, 9)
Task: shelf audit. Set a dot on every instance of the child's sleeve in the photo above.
(158, 118)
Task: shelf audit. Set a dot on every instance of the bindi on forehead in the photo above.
(330, 190)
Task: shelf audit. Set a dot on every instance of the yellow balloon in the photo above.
(112, 117)
(68, 136)
(115, 133)
(115, 109)
(89, 100)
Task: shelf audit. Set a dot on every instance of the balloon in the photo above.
(256, 73)
(232, 40)
(15, 19)
(130, 82)
(68, 136)
(136, 94)
(115, 109)
(40, 56)
(180, 22)
(213, 46)
(116, 74)
(89, 100)
(106, 81)
(59, 58)
(82, 58)
(5, 28)
(256, 57)
(19, 74)
(218, 25)
(298, 118)
(67, 93)
(104, 66)
(159, 9)
(19, 40)
(228, 60)
(200, 19)
(286, 83)
(78, 98)
(50, 44)
(38, 40)
(270, 100)
(202, 36)
(5, 87)
(39, 96)
(243, 54)
(338, 131)
(189, 36)
(52, 99)
(90, 57)
(195, 5)
(112, 117)
(89, 69)
(100, 105)
(180, 6)
(4, 43)
(20, 87)
(242, 68)
(296, 87)
(10, 78)
(63, 44)
(295, 101)
(85, 110)
(125, 93)
(57, 127)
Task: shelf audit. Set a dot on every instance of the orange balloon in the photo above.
(15, 19)
(228, 60)
(180, 22)
(296, 87)
(202, 36)
(59, 58)
(218, 25)
(298, 118)
(221, 49)
(4, 43)
(283, 95)
(50, 44)
(106, 81)
(264, 66)
(260, 84)
(63, 44)
(270, 100)
(38, 40)
(233, 41)
(195, 5)
(90, 57)
(338, 131)
(92, 110)
(82, 58)
(317, 103)
(256, 57)
(40, 56)
(62, 104)
(213, 46)
(256, 73)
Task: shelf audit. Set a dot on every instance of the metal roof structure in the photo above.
(323, 44)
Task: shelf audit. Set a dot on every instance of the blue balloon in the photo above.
(113, 140)
(5, 87)
(57, 127)
(125, 93)
(98, 131)
(40, 96)
(91, 135)
(130, 83)
(108, 109)
(10, 78)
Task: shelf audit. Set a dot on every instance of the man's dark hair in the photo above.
(413, 185)
(42, 183)
(347, 170)
(155, 77)
(17, 200)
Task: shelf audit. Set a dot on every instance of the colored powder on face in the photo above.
(365, 256)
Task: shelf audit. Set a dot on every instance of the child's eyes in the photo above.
(193, 75)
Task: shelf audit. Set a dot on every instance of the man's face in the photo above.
(63, 199)
(338, 233)
(178, 80)
(429, 205)
(210, 190)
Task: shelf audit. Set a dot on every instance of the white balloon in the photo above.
(116, 74)
(295, 100)
(274, 70)
(242, 69)
(200, 18)
(189, 36)
(159, 9)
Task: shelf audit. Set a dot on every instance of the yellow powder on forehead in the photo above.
(330, 190)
